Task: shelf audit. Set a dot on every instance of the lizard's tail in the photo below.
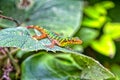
(37, 28)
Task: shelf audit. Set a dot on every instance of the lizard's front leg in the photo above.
(43, 33)
(42, 36)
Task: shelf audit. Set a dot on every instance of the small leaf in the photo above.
(113, 30)
(100, 9)
(116, 70)
(104, 46)
(87, 35)
(69, 66)
(106, 4)
(20, 37)
(92, 12)
(94, 23)
(20, 53)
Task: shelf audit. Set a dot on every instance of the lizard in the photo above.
(54, 38)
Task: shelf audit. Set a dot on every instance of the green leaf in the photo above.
(69, 66)
(116, 70)
(106, 4)
(104, 46)
(91, 12)
(94, 23)
(113, 30)
(20, 53)
(99, 8)
(10, 9)
(57, 15)
(103, 6)
(117, 54)
(87, 35)
(20, 37)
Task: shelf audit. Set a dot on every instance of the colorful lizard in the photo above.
(55, 38)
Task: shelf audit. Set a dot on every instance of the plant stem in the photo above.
(12, 53)
(10, 18)
(13, 62)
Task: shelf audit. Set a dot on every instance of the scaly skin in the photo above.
(55, 38)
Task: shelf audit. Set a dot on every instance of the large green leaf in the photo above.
(58, 15)
(69, 66)
(20, 37)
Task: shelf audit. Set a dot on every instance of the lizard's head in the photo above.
(69, 41)
(75, 40)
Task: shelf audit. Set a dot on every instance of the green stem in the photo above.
(13, 62)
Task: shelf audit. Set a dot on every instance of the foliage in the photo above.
(96, 17)
(37, 61)
(68, 66)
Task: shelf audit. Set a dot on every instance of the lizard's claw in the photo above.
(30, 26)
(49, 46)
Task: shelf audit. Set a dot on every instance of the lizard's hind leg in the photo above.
(53, 43)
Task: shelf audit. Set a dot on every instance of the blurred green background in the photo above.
(103, 16)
